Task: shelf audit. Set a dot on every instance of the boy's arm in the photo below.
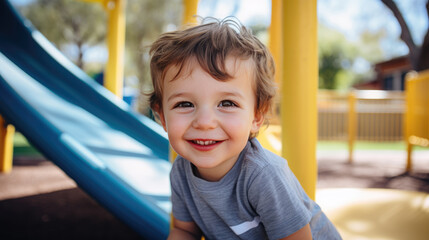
(302, 234)
(184, 230)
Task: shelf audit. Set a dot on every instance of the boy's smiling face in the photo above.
(209, 121)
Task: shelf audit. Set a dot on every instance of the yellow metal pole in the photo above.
(409, 109)
(7, 132)
(114, 73)
(299, 91)
(275, 46)
(275, 41)
(352, 124)
(409, 155)
(189, 11)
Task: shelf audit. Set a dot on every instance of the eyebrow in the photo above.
(232, 93)
(176, 95)
(224, 93)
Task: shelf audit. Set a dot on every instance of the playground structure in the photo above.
(100, 169)
(417, 117)
(361, 115)
(116, 156)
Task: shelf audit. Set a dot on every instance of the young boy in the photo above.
(213, 86)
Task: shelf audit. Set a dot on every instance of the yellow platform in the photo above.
(377, 214)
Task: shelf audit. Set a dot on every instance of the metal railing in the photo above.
(366, 115)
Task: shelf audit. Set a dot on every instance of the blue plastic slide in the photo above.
(116, 156)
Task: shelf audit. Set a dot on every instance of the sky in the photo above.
(247, 11)
(355, 16)
(348, 17)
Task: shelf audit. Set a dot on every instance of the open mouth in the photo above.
(204, 143)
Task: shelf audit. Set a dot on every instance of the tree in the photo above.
(418, 55)
(146, 20)
(336, 56)
(68, 23)
(83, 25)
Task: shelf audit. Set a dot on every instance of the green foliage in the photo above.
(68, 22)
(146, 20)
(336, 56)
(369, 45)
(83, 24)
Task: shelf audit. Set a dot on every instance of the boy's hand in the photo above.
(184, 230)
(302, 234)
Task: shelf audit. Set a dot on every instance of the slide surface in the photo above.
(116, 156)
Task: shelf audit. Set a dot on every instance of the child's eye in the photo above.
(227, 103)
(184, 105)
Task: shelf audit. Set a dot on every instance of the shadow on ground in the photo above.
(64, 214)
(372, 174)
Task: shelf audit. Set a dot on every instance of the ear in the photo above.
(257, 122)
(162, 119)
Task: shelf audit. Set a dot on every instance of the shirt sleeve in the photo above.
(279, 200)
(178, 191)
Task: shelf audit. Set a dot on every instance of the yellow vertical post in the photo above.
(299, 91)
(114, 73)
(189, 11)
(409, 160)
(351, 129)
(275, 47)
(409, 110)
(275, 41)
(6, 146)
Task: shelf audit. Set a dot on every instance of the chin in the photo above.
(201, 163)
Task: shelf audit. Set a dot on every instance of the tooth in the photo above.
(204, 143)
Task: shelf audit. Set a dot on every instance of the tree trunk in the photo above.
(423, 60)
(79, 60)
(405, 33)
(419, 56)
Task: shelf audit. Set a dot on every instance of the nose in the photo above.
(205, 118)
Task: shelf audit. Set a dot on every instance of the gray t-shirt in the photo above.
(259, 198)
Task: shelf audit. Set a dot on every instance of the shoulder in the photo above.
(178, 173)
(263, 172)
(276, 195)
(259, 160)
(270, 174)
(179, 165)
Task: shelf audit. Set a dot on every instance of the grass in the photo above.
(365, 145)
(21, 147)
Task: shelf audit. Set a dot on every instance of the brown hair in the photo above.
(210, 44)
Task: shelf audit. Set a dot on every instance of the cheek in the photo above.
(238, 124)
(175, 124)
